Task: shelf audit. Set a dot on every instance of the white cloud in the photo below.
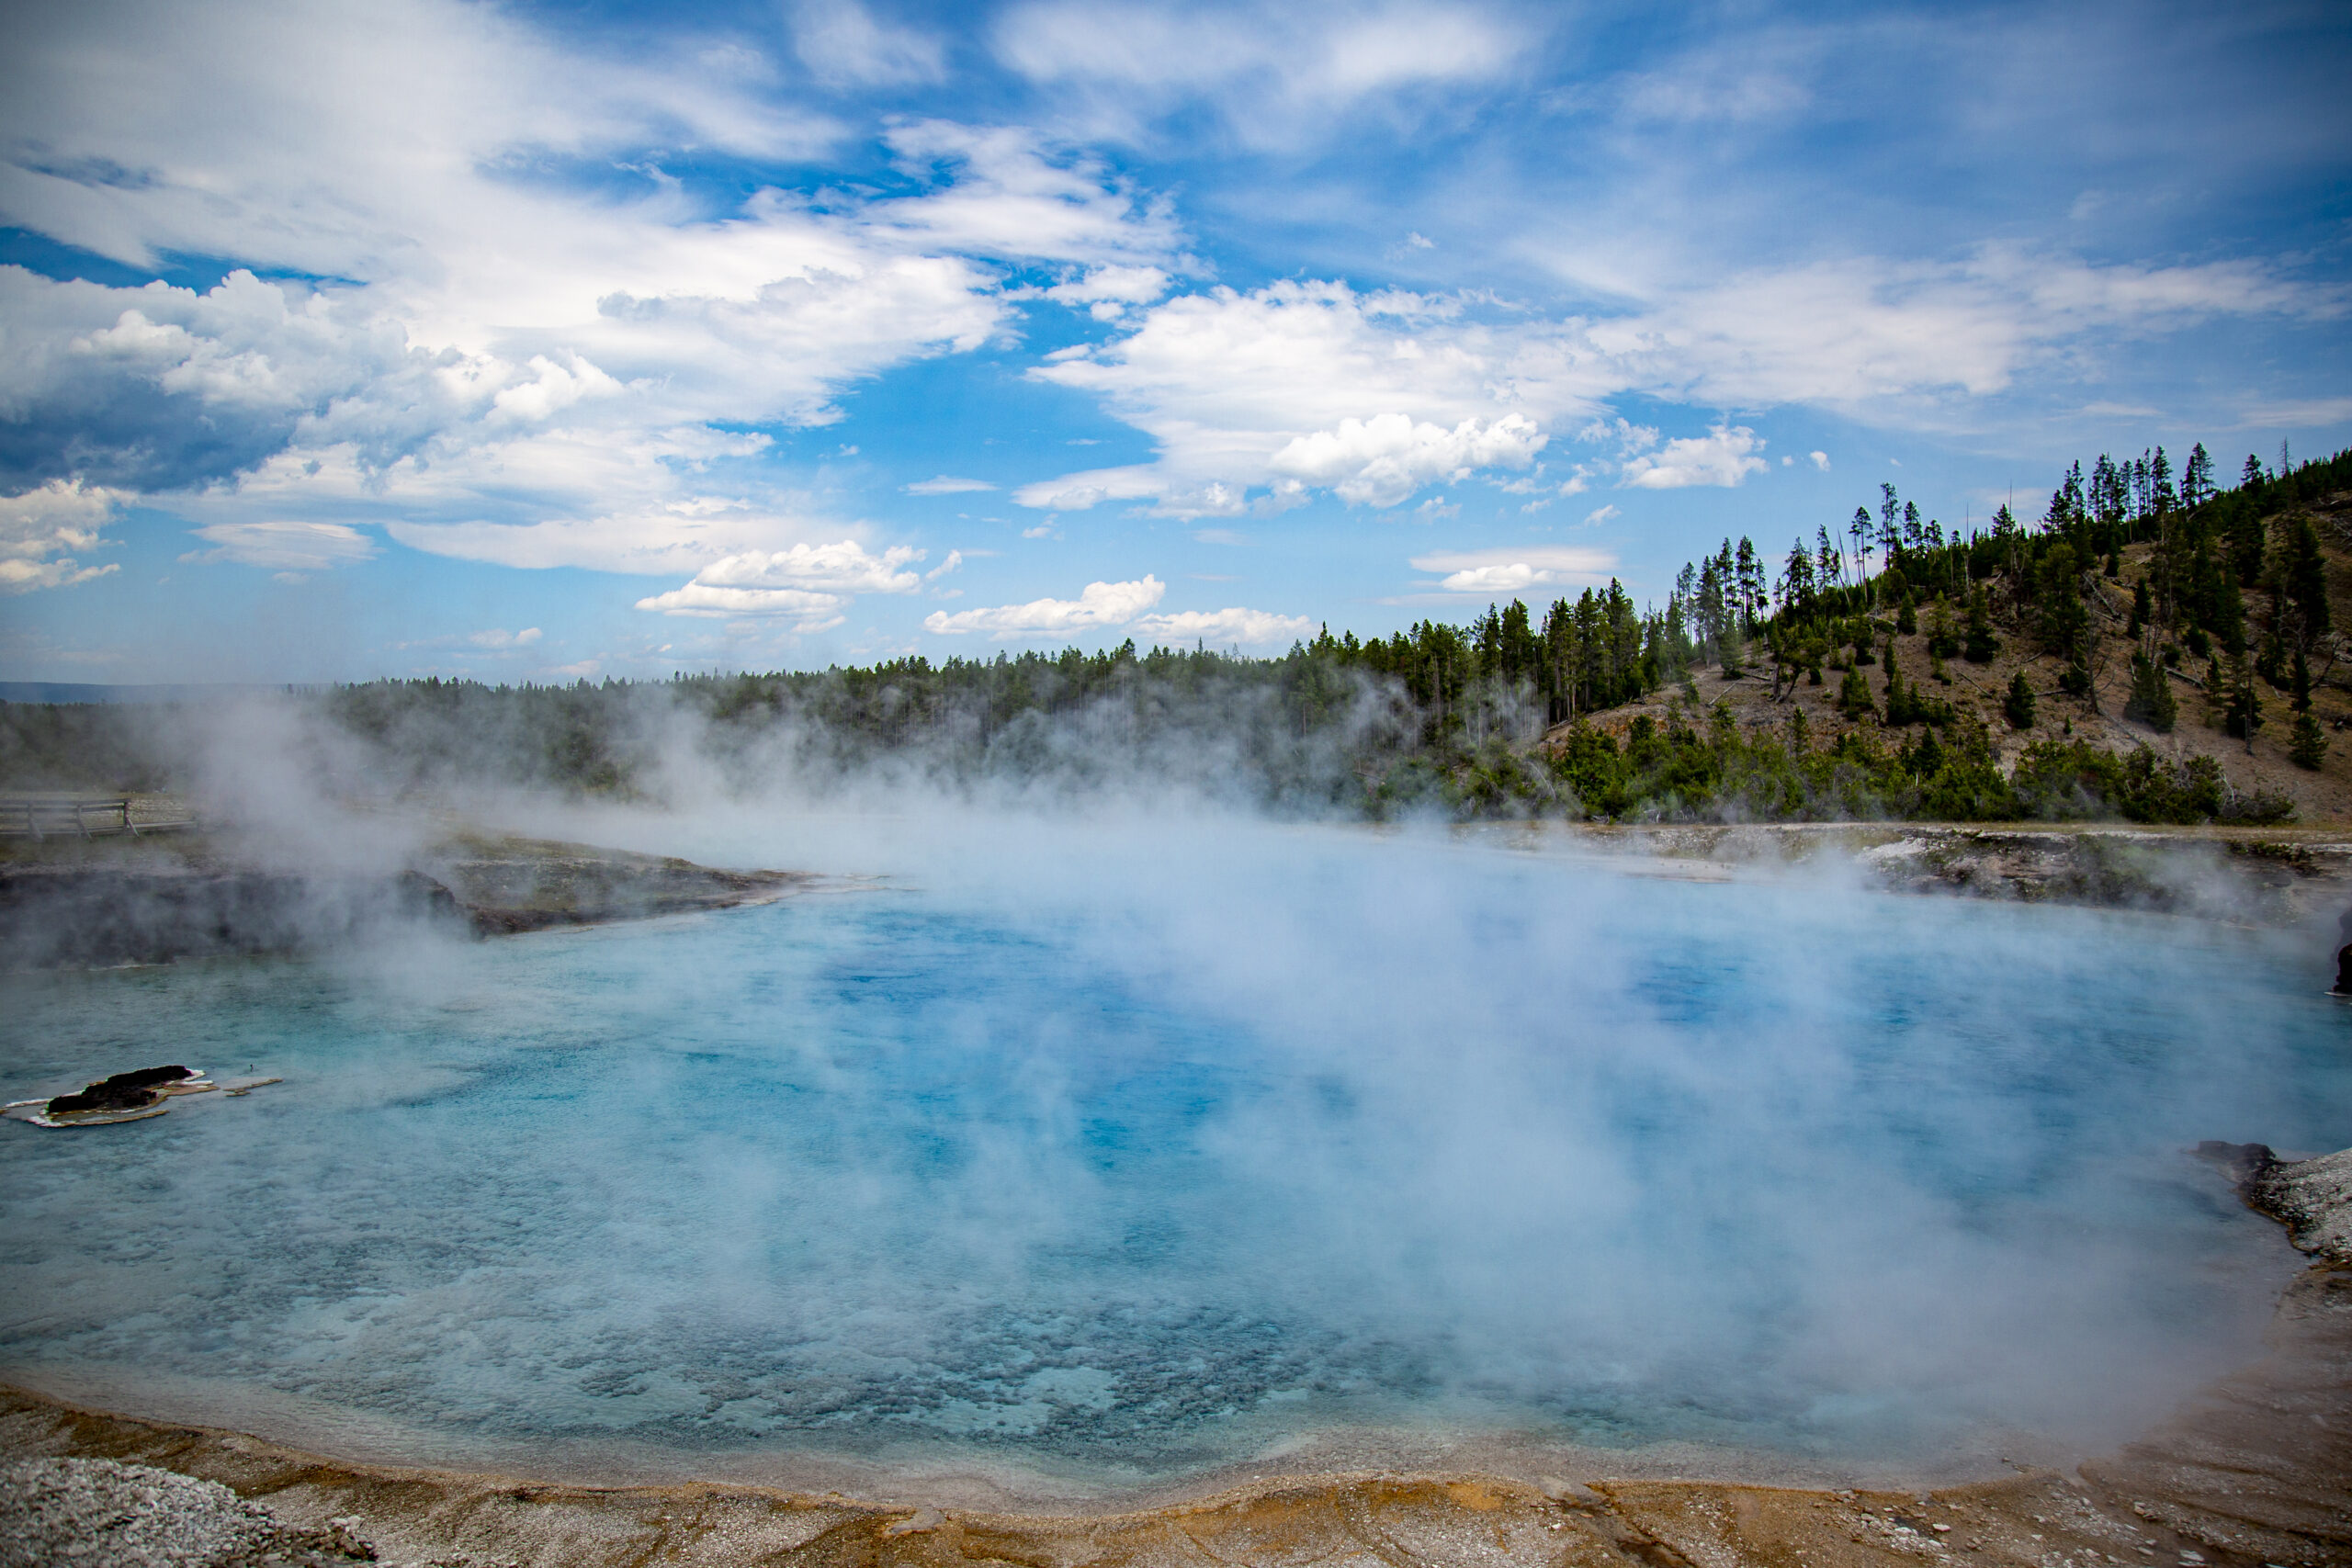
(41, 530)
(1725, 455)
(502, 349)
(1113, 285)
(841, 41)
(1511, 569)
(843, 568)
(1262, 393)
(1599, 514)
(284, 546)
(496, 638)
(1223, 629)
(1385, 459)
(1820, 460)
(1099, 604)
(807, 581)
(947, 484)
(2309, 414)
(954, 562)
(710, 601)
(1277, 77)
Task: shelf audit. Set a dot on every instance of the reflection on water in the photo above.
(1144, 1155)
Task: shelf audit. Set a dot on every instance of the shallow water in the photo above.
(1131, 1153)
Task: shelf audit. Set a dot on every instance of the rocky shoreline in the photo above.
(145, 905)
(2251, 876)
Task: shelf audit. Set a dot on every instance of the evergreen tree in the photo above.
(2019, 705)
(2243, 715)
(2066, 621)
(1983, 646)
(2152, 702)
(2143, 611)
(1829, 567)
(1942, 642)
(1854, 696)
(2309, 749)
(2251, 477)
(2197, 480)
(2306, 582)
(1797, 583)
(2301, 700)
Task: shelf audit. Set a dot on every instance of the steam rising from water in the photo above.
(1133, 1149)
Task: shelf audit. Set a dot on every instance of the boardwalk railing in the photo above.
(66, 815)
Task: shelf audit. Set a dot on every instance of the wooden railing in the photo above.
(63, 816)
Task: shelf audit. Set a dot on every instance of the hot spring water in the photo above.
(1131, 1155)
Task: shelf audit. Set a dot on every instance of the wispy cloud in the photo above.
(1512, 568)
(284, 546)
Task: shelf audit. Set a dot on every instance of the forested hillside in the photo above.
(2152, 648)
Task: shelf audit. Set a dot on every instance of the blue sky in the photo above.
(536, 342)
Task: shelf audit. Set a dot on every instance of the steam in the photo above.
(1133, 1131)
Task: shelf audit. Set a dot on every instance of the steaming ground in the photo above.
(1124, 1150)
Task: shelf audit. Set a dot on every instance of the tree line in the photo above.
(1441, 715)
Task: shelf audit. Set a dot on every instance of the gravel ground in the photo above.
(2314, 1197)
(95, 1513)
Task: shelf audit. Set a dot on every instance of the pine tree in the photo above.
(2243, 715)
(2309, 749)
(2197, 480)
(2019, 705)
(1854, 696)
(2301, 701)
(1983, 646)
(2151, 702)
(2143, 611)
(2306, 584)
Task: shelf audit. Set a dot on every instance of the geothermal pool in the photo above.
(1116, 1156)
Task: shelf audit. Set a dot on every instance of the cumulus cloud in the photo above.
(1225, 628)
(1725, 455)
(497, 348)
(42, 530)
(1113, 285)
(947, 484)
(804, 582)
(1253, 396)
(1385, 459)
(1513, 569)
(497, 638)
(1099, 604)
(846, 567)
(284, 546)
(1820, 460)
(708, 601)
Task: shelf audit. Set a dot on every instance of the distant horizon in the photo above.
(526, 342)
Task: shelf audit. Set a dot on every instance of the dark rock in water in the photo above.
(2342, 986)
(124, 1091)
(2246, 1164)
(2312, 1197)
